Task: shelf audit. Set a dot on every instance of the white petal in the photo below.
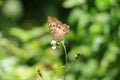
(53, 42)
(54, 47)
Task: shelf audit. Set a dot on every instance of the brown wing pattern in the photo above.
(57, 28)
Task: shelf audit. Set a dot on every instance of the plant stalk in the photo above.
(65, 59)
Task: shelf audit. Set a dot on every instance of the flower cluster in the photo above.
(54, 44)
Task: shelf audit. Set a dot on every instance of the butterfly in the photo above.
(57, 29)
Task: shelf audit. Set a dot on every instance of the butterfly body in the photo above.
(57, 29)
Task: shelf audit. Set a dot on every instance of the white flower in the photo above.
(53, 46)
(53, 42)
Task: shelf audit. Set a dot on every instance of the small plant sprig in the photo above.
(66, 66)
(66, 62)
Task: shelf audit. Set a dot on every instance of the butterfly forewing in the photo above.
(57, 28)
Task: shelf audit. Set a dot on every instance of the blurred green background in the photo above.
(25, 39)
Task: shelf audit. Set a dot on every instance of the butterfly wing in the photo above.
(57, 28)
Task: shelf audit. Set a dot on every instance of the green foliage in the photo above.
(25, 39)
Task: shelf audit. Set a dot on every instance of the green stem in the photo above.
(67, 68)
(71, 64)
(65, 59)
(65, 53)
